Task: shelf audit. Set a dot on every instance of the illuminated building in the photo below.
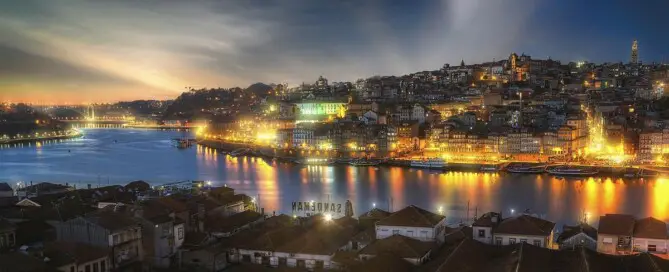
(634, 59)
(650, 145)
(312, 136)
(407, 135)
(322, 108)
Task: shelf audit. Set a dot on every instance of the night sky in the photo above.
(93, 51)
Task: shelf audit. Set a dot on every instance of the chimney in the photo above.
(89, 186)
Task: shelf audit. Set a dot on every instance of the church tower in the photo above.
(635, 53)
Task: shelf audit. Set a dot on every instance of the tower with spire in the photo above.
(634, 59)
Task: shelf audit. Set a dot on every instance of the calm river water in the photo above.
(117, 156)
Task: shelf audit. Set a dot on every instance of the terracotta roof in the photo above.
(471, 255)
(400, 246)
(230, 223)
(171, 203)
(80, 252)
(375, 213)
(616, 224)
(384, 263)
(272, 240)
(525, 225)
(322, 239)
(411, 216)
(570, 231)
(111, 221)
(486, 220)
(651, 228)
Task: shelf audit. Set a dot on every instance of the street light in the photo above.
(328, 217)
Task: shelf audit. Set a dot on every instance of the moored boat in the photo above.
(183, 143)
(526, 169)
(239, 152)
(315, 161)
(432, 163)
(364, 162)
(573, 171)
(489, 168)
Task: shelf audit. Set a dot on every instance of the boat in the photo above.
(432, 163)
(183, 143)
(573, 171)
(526, 169)
(238, 152)
(489, 168)
(364, 162)
(315, 161)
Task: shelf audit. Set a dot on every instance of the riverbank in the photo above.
(293, 155)
(70, 135)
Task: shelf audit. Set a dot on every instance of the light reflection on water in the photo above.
(123, 155)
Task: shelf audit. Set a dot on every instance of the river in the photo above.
(117, 156)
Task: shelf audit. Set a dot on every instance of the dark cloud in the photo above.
(165, 45)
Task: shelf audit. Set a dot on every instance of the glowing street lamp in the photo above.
(328, 217)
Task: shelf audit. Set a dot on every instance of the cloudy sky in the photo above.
(92, 51)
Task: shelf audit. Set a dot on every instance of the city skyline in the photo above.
(102, 52)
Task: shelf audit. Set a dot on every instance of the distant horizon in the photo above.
(41, 103)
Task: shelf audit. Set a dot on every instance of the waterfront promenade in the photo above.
(42, 137)
(293, 155)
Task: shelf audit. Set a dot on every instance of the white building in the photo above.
(310, 248)
(119, 232)
(412, 222)
(614, 233)
(650, 235)
(492, 229)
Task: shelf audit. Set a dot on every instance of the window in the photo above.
(319, 264)
(481, 233)
(652, 248)
(181, 233)
(283, 261)
(95, 267)
(115, 238)
(88, 268)
(396, 232)
(71, 268)
(512, 241)
(498, 241)
(103, 266)
(410, 233)
(423, 233)
(523, 241)
(537, 243)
